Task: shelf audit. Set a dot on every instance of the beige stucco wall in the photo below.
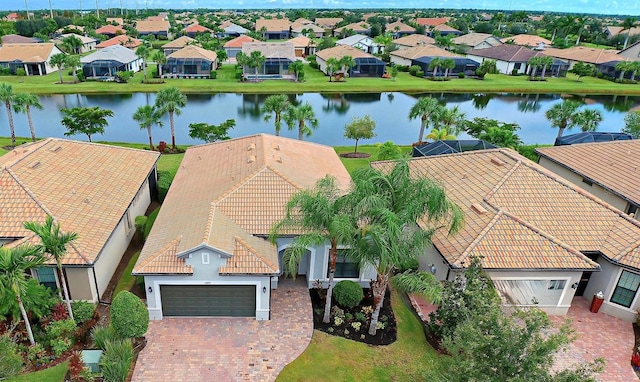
(576, 179)
(400, 60)
(81, 284)
(606, 281)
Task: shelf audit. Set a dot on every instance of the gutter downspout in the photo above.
(95, 280)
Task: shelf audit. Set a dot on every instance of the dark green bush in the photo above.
(213, 75)
(129, 316)
(402, 68)
(5, 71)
(347, 293)
(103, 334)
(301, 76)
(460, 75)
(20, 72)
(150, 220)
(82, 311)
(410, 264)
(141, 223)
(238, 73)
(413, 69)
(60, 335)
(164, 182)
(419, 74)
(10, 358)
(313, 65)
(116, 360)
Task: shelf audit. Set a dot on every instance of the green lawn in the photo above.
(353, 163)
(52, 374)
(315, 81)
(127, 281)
(331, 358)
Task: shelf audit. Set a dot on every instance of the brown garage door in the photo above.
(208, 300)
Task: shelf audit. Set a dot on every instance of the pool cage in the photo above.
(590, 137)
(450, 147)
(102, 68)
(188, 66)
(367, 67)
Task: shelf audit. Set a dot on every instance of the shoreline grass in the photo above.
(317, 82)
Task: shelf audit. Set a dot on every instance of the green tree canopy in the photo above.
(276, 104)
(562, 115)
(147, 116)
(360, 128)
(211, 133)
(300, 116)
(85, 120)
(632, 124)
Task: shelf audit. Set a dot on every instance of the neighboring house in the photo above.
(298, 29)
(413, 40)
(609, 69)
(399, 29)
(88, 190)
(88, 43)
(274, 29)
(529, 40)
(190, 62)
(110, 31)
(514, 59)
(33, 58)
(230, 29)
(542, 240)
(430, 22)
(608, 170)
(12, 17)
(406, 56)
(233, 47)
(584, 54)
(177, 44)
(471, 41)
(444, 30)
(124, 40)
(115, 20)
(17, 39)
(362, 42)
(367, 65)
(612, 31)
(303, 46)
(462, 65)
(279, 55)
(328, 23)
(71, 27)
(354, 28)
(208, 254)
(194, 29)
(450, 147)
(157, 28)
(632, 52)
(106, 62)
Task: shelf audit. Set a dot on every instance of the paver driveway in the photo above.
(229, 349)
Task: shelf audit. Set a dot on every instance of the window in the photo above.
(47, 277)
(205, 258)
(345, 268)
(530, 292)
(632, 209)
(626, 289)
(587, 182)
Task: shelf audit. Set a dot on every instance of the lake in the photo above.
(333, 111)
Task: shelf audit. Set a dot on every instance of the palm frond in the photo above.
(420, 283)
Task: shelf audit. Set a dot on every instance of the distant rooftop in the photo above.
(590, 137)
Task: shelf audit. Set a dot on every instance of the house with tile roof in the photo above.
(529, 40)
(34, 58)
(303, 46)
(230, 29)
(233, 47)
(413, 40)
(632, 52)
(327, 22)
(406, 56)
(12, 17)
(353, 28)
(278, 57)
(298, 29)
(514, 59)
(110, 31)
(443, 30)
(470, 41)
(106, 62)
(88, 43)
(91, 189)
(123, 40)
(195, 29)
(584, 54)
(190, 62)
(430, 22)
(399, 29)
(362, 42)
(542, 239)
(18, 39)
(156, 27)
(207, 253)
(274, 29)
(177, 44)
(367, 65)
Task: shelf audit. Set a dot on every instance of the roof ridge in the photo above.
(501, 183)
(236, 186)
(284, 177)
(248, 246)
(209, 225)
(157, 254)
(41, 143)
(479, 238)
(629, 249)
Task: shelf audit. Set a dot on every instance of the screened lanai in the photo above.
(367, 67)
(188, 66)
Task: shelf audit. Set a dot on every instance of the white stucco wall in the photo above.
(399, 60)
(431, 258)
(606, 281)
(504, 67)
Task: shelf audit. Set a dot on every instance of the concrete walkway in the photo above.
(229, 349)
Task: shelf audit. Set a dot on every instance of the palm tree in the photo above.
(296, 67)
(534, 63)
(440, 135)
(424, 108)
(332, 65)
(14, 265)
(276, 104)
(300, 115)
(319, 215)
(562, 115)
(71, 44)
(580, 23)
(634, 68)
(627, 24)
(54, 244)
(58, 61)
(435, 63)
(623, 67)
(7, 96)
(588, 119)
(388, 205)
(73, 62)
(143, 52)
(22, 103)
(160, 59)
(147, 116)
(170, 100)
(546, 62)
(450, 118)
(501, 137)
(447, 64)
(346, 63)
(255, 60)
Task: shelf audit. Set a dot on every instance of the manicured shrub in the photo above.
(20, 72)
(129, 316)
(164, 182)
(238, 74)
(103, 334)
(82, 311)
(5, 71)
(460, 75)
(116, 360)
(140, 223)
(37, 355)
(419, 74)
(413, 69)
(402, 68)
(124, 76)
(10, 359)
(348, 294)
(313, 65)
(150, 220)
(213, 75)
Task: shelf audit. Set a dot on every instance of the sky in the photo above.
(611, 7)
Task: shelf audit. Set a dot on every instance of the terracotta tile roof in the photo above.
(414, 40)
(616, 30)
(149, 26)
(180, 42)
(117, 20)
(273, 25)
(298, 28)
(271, 49)
(328, 22)
(521, 216)
(423, 51)
(431, 21)
(196, 28)
(86, 187)
(33, 53)
(238, 41)
(84, 39)
(612, 165)
(585, 54)
(303, 21)
(17, 39)
(445, 28)
(226, 192)
(391, 27)
(110, 29)
(506, 52)
(358, 27)
(301, 41)
(527, 40)
(193, 51)
(473, 39)
(340, 51)
(124, 40)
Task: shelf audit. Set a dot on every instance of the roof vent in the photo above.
(56, 149)
(35, 165)
(251, 146)
(498, 161)
(276, 147)
(251, 158)
(477, 208)
(86, 200)
(279, 160)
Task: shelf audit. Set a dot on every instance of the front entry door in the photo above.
(584, 280)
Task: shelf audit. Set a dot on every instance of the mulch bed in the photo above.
(354, 155)
(385, 336)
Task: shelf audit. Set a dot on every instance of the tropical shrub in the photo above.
(20, 72)
(413, 69)
(129, 316)
(213, 75)
(38, 300)
(10, 359)
(82, 311)
(124, 76)
(150, 220)
(419, 74)
(116, 360)
(36, 355)
(348, 294)
(140, 223)
(164, 182)
(60, 335)
(103, 334)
